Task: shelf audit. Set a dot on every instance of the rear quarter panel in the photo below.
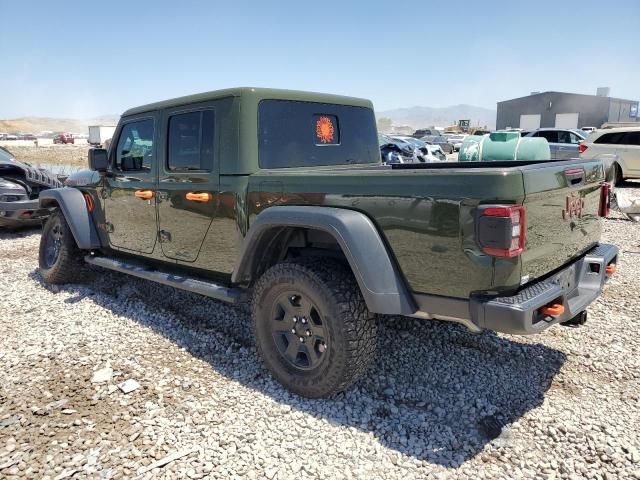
(426, 217)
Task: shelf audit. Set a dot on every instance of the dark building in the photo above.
(565, 110)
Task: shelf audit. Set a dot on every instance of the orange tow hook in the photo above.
(611, 269)
(554, 310)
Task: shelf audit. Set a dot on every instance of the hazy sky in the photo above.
(83, 58)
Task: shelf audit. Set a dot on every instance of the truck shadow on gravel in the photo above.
(435, 393)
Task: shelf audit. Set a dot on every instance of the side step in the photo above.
(202, 287)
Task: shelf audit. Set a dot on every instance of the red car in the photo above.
(63, 138)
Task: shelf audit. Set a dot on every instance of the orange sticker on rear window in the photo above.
(326, 129)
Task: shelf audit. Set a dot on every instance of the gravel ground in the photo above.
(438, 403)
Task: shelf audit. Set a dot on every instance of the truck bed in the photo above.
(426, 213)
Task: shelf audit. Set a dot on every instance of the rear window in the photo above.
(303, 134)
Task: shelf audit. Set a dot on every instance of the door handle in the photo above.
(144, 194)
(198, 197)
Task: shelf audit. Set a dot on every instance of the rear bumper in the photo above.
(28, 212)
(574, 287)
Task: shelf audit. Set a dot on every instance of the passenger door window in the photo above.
(134, 152)
(190, 140)
(574, 139)
(550, 135)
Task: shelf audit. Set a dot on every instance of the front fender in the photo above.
(380, 281)
(74, 208)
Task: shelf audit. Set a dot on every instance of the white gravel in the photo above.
(568, 401)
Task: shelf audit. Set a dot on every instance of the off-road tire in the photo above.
(69, 265)
(351, 328)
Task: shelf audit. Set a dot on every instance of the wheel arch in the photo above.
(73, 206)
(380, 281)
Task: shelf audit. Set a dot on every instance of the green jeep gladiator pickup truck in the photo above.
(279, 197)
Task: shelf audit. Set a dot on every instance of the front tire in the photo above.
(59, 258)
(313, 330)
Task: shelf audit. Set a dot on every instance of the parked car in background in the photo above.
(63, 138)
(27, 136)
(439, 140)
(563, 143)
(479, 131)
(10, 136)
(455, 139)
(395, 151)
(588, 130)
(422, 150)
(619, 148)
(20, 187)
(421, 132)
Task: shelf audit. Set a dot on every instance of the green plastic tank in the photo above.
(503, 146)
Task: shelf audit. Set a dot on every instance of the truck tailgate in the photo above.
(562, 202)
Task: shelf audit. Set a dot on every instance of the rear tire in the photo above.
(313, 330)
(59, 258)
(617, 175)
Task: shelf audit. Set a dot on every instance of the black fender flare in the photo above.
(74, 208)
(380, 280)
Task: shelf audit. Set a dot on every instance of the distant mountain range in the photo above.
(36, 125)
(414, 116)
(440, 117)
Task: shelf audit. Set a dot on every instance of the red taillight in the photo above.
(501, 230)
(605, 200)
(582, 147)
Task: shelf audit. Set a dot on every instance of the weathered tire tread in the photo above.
(70, 267)
(338, 283)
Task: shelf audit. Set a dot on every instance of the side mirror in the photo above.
(98, 159)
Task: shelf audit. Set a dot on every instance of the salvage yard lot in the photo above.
(430, 407)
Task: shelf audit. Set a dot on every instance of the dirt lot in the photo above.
(439, 402)
(74, 156)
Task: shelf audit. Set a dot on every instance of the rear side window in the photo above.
(632, 138)
(568, 137)
(301, 134)
(134, 151)
(190, 141)
(613, 138)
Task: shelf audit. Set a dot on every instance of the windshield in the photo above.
(416, 141)
(384, 140)
(581, 133)
(5, 155)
